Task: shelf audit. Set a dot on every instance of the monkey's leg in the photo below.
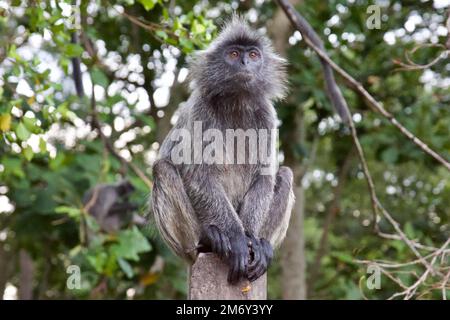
(256, 204)
(173, 212)
(277, 220)
(275, 224)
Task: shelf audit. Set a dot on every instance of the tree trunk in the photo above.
(293, 257)
(26, 276)
(293, 262)
(3, 270)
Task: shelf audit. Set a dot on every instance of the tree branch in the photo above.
(313, 41)
(337, 99)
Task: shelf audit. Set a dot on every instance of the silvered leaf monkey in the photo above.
(239, 211)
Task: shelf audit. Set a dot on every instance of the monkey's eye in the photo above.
(253, 54)
(234, 54)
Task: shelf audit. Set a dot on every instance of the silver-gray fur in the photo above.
(237, 199)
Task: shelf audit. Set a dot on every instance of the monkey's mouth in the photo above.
(244, 75)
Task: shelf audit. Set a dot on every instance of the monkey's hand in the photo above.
(216, 241)
(239, 255)
(262, 252)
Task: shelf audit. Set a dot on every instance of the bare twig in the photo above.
(416, 244)
(389, 269)
(410, 291)
(390, 265)
(411, 65)
(403, 236)
(149, 26)
(444, 286)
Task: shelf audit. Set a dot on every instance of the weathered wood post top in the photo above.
(208, 281)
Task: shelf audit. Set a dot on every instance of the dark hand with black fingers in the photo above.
(239, 256)
(262, 252)
(215, 241)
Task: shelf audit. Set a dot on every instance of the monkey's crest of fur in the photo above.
(210, 76)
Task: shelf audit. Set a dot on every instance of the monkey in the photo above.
(235, 210)
(110, 206)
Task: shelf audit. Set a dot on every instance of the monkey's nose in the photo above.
(244, 61)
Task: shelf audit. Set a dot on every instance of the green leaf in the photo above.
(98, 77)
(177, 24)
(98, 261)
(13, 166)
(344, 257)
(161, 34)
(42, 145)
(92, 223)
(148, 4)
(30, 124)
(64, 62)
(70, 211)
(22, 132)
(165, 13)
(110, 266)
(130, 244)
(67, 114)
(28, 153)
(57, 162)
(13, 54)
(390, 155)
(187, 45)
(72, 50)
(409, 230)
(197, 28)
(126, 267)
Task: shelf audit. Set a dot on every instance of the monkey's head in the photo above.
(240, 61)
(125, 188)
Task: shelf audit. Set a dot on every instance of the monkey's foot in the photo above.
(239, 258)
(261, 254)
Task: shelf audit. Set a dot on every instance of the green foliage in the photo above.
(50, 154)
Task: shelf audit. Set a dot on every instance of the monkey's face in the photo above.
(236, 67)
(239, 62)
(243, 62)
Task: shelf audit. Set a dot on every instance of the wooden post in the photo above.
(208, 281)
